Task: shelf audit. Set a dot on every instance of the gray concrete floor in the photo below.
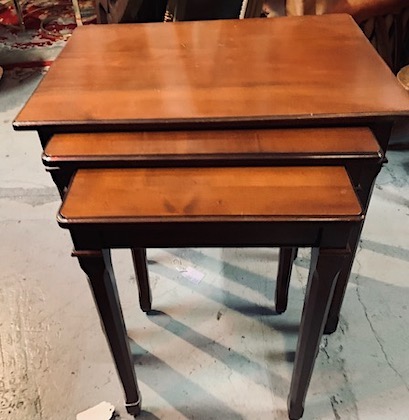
(216, 350)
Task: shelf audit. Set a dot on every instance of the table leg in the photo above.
(61, 180)
(325, 267)
(141, 271)
(341, 286)
(285, 265)
(383, 133)
(365, 191)
(98, 267)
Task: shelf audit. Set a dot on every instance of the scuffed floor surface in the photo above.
(215, 349)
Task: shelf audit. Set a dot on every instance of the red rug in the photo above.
(47, 26)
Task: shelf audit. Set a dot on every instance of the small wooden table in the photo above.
(312, 71)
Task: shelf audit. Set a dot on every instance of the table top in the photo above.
(222, 146)
(287, 193)
(280, 71)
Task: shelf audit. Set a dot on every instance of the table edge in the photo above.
(265, 121)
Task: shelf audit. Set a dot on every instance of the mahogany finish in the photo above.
(288, 70)
(174, 147)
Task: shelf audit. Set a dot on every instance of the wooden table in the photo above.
(220, 74)
(312, 71)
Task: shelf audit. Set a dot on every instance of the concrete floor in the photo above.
(216, 349)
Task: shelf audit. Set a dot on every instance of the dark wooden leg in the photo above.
(382, 132)
(342, 282)
(285, 265)
(364, 193)
(142, 278)
(324, 270)
(98, 267)
(62, 180)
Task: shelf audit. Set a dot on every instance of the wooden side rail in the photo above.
(167, 207)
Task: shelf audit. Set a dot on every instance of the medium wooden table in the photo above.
(312, 71)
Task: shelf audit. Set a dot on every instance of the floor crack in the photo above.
(395, 179)
(324, 346)
(377, 338)
(334, 403)
(344, 400)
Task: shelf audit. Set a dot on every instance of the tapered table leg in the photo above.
(366, 186)
(142, 278)
(285, 265)
(61, 180)
(342, 282)
(98, 267)
(324, 270)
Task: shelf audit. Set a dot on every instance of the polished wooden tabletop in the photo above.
(215, 193)
(155, 145)
(200, 74)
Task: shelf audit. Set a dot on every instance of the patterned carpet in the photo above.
(47, 26)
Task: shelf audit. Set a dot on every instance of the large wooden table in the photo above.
(313, 71)
(256, 73)
(285, 71)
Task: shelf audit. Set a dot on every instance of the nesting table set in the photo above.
(259, 132)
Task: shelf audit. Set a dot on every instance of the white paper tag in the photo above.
(190, 273)
(195, 276)
(102, 411)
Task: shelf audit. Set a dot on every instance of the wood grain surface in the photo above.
(218, 193)
(187, 73)
(173, 144)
